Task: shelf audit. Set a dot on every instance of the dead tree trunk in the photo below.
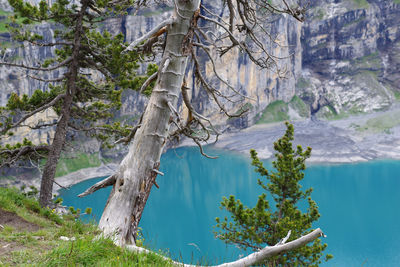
(138, 170)
(49, 171)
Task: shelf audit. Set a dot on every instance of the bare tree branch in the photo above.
(46, 80)
(103, 183)
(149, 34)
(65, 62)
(212, 90)
(205, 49)
(128, 138)
(39, 126)
(14, 155)
(49, 44)
(148, 81)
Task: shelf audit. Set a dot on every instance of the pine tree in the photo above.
(266, 223)
(82, 103)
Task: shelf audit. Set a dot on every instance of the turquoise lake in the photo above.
(359, 206)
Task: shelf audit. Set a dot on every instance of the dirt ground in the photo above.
(11, 219)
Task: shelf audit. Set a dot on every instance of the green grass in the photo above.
(12, 200)
(71, 163)
(396, 1)
(298, 105)
(102, 252)
(278, 110)
(44, 247)
(274, 112)
(383, 123)
(329, 113)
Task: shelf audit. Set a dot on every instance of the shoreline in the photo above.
(336, 142)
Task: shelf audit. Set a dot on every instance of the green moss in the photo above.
(354, 22)
(329, 113)
(7, 177)
(320, 14)
(302, 83)
(361, 3)
(396, 93)
(274, 112)
(299, 106)
(244, 108)
(71, 163)
(371, 61)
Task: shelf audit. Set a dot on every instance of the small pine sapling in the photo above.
(266, 223)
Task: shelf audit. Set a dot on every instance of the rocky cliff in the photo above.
(344, 59)
(350, 57)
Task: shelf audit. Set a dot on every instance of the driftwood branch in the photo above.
(103, 183)
(254, 258)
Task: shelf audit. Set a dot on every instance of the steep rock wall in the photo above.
(345, 59)
(349, 56)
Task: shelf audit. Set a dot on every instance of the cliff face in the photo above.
(349, 59)
(345, 59)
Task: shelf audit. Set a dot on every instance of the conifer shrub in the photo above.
(270, 221)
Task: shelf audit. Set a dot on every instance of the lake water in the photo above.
(359, 206)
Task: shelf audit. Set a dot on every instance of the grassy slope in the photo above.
(278, 110)
(71, 163)
(274, 112)
(44, 247)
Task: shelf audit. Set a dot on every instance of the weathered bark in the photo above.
(138, 170)
(49, 171)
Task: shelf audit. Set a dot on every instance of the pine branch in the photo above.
(65, 62)
(30, 114)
